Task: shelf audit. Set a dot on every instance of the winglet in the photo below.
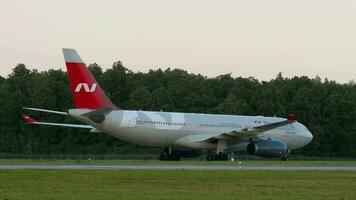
(292, 117)
(28, 119)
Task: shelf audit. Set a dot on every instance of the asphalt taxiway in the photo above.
(175, 166)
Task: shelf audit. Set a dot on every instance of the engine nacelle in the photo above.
(268, 148)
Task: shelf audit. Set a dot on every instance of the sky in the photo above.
(258, 38)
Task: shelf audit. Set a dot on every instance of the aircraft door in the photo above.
(129, 119)
(131, 122)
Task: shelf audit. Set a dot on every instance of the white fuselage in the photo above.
(183, 130)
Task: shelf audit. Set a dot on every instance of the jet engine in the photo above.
(268, 148)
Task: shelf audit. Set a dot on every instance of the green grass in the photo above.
(175, 184)
(246, 163)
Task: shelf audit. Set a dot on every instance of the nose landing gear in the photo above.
(286, 156)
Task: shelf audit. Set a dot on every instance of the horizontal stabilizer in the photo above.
(47, 111)
(28, 119)
(32, 121)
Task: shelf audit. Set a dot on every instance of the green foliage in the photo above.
(327, 108)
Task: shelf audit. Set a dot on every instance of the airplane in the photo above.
(270, 137)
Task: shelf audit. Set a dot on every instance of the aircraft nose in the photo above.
(309, 136)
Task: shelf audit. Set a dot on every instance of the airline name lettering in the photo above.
(86, 87)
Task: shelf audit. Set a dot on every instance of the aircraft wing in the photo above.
(248, 133)
(30, 120)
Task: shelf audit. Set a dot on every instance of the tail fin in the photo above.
(86, 92)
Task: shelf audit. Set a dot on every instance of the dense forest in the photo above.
(327, 108)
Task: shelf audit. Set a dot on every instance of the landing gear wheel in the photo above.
(285, 159)
(217, 157)
(222, 157)
(286, 155)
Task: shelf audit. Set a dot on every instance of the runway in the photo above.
(175, 166)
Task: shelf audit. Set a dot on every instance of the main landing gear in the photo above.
(217, 157)
(169, 155)
(285, 159)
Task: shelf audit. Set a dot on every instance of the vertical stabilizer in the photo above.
(86, 92)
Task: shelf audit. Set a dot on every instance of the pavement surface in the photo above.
(176, 166)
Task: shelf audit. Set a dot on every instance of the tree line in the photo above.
(326, 107)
